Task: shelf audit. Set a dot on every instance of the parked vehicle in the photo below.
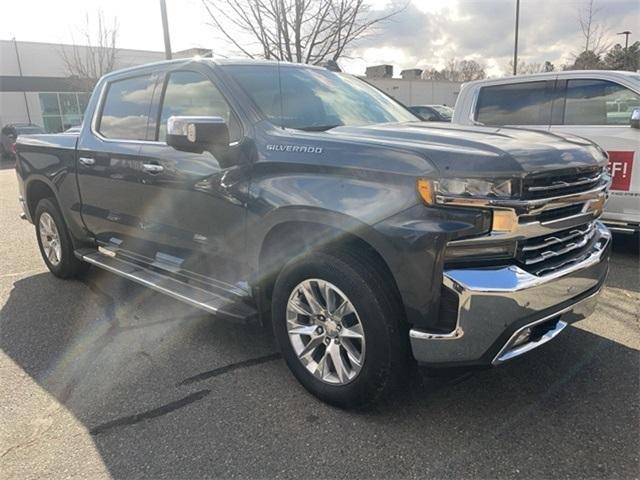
(298, 196)
(597, 105)
(9, 134)
(433, 113)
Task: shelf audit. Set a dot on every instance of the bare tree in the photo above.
(95, 55)
(303, 31)
(533, 67)
(595, 34)
(456, 71)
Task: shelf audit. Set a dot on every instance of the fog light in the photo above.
(522, 337)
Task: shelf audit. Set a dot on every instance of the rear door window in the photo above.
(125, 112)
(527, 103)
(598, 102)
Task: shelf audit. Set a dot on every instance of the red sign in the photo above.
(620, 166)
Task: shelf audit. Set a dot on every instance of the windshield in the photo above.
(444, 111)
(315, 99)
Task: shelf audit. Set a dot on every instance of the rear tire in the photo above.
(54, 241)
(370, 367)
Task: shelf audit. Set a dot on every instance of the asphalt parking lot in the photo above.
(102, 378)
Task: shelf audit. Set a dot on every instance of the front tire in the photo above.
(339, 328)
(55, 242)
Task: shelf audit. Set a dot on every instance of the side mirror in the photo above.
(197, 134)
(634, 121)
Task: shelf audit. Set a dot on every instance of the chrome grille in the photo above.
(541, 254)
(563, 182)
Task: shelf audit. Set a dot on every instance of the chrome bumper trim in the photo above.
(492, 299)
(584, 306)
(617, 226)
(522, 349)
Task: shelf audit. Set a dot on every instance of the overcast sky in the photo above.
(426, 32)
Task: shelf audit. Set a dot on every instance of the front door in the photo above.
(194, 205)
(599, 110)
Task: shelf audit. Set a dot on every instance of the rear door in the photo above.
(110, 174)
(599, 110)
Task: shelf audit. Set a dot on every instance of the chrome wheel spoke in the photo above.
(329, 296)
(354, 331)
(352, 353)
(310, 347)
(310, 297)
(321, 369)
(298, 307)
(344, 309)
(302, 329)
(338, 363)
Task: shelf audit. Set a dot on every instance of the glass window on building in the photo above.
(61, 111)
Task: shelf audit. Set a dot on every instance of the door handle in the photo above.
(87, 161)
(152, 167)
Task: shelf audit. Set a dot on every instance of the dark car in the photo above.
(10, 133)
(308, 200)
(433, 113)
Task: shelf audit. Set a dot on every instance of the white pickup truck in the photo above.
(595, 104)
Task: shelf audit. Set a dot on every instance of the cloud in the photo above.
(431, 32)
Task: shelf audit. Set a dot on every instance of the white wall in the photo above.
(418, 92)
(46, 60)
(13, 110)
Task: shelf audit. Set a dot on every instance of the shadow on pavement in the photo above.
(167, 391)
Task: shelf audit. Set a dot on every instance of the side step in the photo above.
(232, 306)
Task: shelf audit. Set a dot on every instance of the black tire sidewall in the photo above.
(372, 310)
(68, 265)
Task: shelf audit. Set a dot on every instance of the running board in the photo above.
(232, 307)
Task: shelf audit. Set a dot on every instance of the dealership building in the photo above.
(35, 86)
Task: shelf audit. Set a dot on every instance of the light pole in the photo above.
(24, 92)
(626, 34)
(515, 47)
(165, 29)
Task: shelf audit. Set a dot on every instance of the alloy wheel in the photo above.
(50, 239)
(325, 331)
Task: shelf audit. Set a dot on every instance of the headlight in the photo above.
(474, 187)
(459, 190)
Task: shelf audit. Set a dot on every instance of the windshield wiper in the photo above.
(316, 128)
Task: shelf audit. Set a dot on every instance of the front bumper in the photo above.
(497, 303)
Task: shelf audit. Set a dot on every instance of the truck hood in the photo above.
(480, 151)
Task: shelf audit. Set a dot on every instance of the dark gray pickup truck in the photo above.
(306, 198)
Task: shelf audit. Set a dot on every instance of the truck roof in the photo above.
(216, 61)
(559, 74)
